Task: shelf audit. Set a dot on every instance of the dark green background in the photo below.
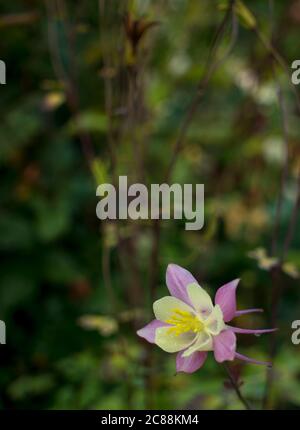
(53, 248)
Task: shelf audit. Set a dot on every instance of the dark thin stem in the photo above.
(292, 222)
(106, 272)
(268, 44)
(154, 263)
(108, 92)
(277, 285)
(236, 388)
(277, 289)
(285, 170)
(201, 88)
(279, 59)
(275, 271)
(211, 67)
(72, 95)
(130, 269)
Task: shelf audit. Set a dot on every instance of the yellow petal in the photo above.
(202, 343)
(169, 342)
(200, 300)
(164, 308)
(215, 323)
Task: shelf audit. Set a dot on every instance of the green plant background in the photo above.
(52, 246)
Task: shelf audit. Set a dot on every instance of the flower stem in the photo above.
(236, 388)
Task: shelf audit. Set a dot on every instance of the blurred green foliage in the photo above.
(52, 246)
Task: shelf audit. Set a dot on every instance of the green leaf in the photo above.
(26, 386)
(89, 121)
(15, 232)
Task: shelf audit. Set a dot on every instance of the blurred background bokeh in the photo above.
(98, 89)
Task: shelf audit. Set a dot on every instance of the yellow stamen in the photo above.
(183, 321)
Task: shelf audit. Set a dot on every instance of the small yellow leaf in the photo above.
(291, 270)
(104, 324)
(53, 100)
(263, 260)
(245, 14)
(99, 170)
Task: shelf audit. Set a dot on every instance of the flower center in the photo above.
(183, 321)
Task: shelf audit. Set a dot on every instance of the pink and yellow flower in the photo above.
(189, 324)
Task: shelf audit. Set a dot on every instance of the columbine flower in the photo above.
(188, 323)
